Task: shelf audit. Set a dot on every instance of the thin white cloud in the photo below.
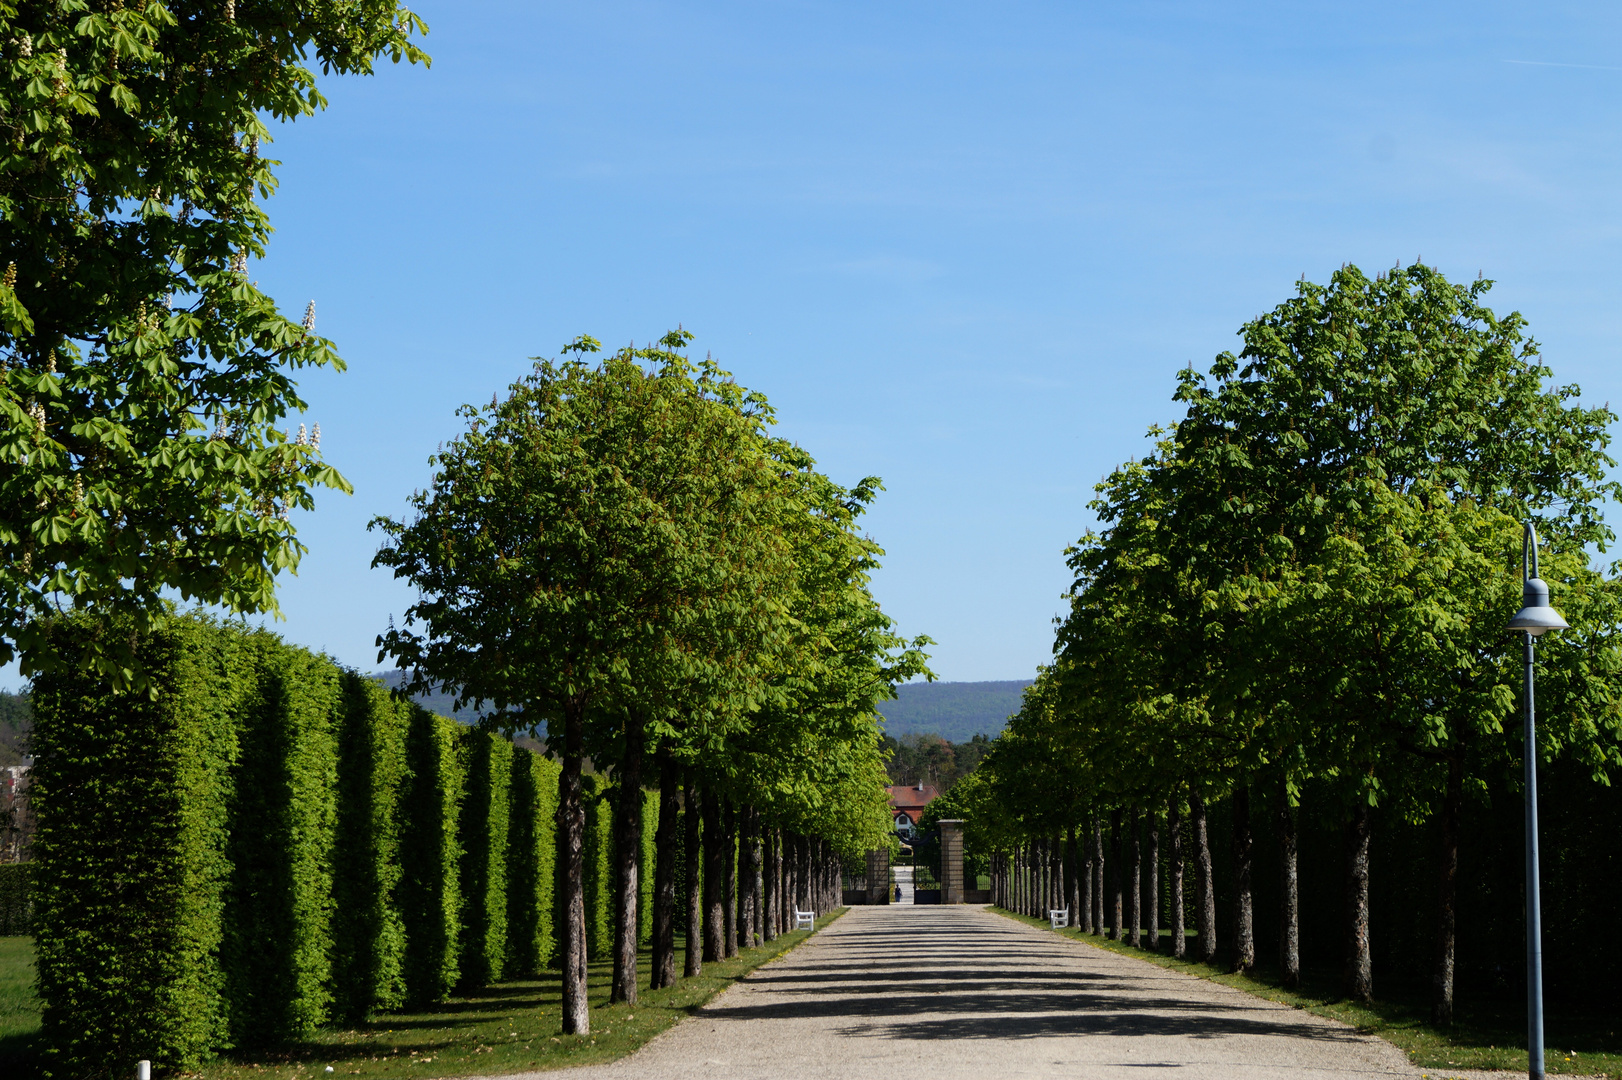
(1551, 63)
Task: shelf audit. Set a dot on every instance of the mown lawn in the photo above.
(509, 1027)
(1484, 1036)
(19, 1009)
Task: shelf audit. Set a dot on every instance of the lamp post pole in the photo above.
(1534, 906)
(1536, 617)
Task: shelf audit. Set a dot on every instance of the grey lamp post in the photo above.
(1535, 617)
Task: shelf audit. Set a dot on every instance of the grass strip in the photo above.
(509, 1027)
(1484, 1036)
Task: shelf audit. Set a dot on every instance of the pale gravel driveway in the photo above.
(942, 993)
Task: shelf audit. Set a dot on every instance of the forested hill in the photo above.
(957, 711)
(434, 703)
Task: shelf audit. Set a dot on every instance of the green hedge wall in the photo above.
(268, 843)
(368, 933)
(16, 898)
(532, 802)
(133, 795)
(484, 826)
(430, 860)
(277, 941)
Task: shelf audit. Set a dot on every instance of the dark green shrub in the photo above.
(430, 857)
(532, 799)
(133, 794)
(368, 937)
(277, 943)
(16, 901)
(487, 764)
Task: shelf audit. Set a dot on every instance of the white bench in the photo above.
(805, 920)
(1059, 917)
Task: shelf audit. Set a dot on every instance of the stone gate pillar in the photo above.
(951, 861)
(878, 876)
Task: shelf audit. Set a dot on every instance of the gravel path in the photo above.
(943, 993)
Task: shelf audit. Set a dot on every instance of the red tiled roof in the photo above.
(908, 797)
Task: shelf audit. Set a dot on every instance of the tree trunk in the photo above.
(1359, 975)
(791, 883)
(1044, 876)
(730, 817)
(1033, 891)
(754, 926)
(1115, 874)
(1098, 877)
(1289, 923)
(1179, 927)
(770, 893)
(664, 875)
(1203, 884)
(1059, 879)
(628, 860)
(1072, 883)
(1136, 904)
(572, 836)
(1244, 928)
(1084, 913)
(1151, 897)
(692, 814)
(1447, 895)
(715, 912)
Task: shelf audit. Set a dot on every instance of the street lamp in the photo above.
(1535, 617)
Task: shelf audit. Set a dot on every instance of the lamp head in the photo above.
(1536, 616)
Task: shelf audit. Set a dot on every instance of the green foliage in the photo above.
(367, 931)
(487, 764)
(431, 853)
(934, 760)
(531, 864)
(16, 898)
(144, 375)
(599, 866)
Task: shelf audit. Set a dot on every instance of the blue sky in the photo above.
(962, 247)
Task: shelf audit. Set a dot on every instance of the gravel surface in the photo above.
(943, 993)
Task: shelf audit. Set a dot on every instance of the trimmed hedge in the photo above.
(484, 828)
(276, 948)
(368, 933)
(270, 842)
(644, 879)
(532, 806)
(133, 795)
(599, 866)
(430, 861)
(16, 898)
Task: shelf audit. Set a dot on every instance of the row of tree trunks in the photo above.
(1119, 895)
(749, 879)
(1047, 873)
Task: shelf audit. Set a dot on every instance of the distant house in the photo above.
(907, 807)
